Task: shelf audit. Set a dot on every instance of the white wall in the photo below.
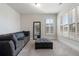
(72, 43)
(9, 20)
(27, 24)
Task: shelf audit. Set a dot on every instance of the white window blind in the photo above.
(49, 26)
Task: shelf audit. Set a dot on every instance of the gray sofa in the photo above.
(11, 44)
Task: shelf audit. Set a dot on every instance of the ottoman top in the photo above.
(42, 40)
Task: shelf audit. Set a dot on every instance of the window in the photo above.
(77, 27)
(49, 26)
(69, 24)
(72, 20)
(66, 28)
(77, 13)
(65, 19)
(72, 27)
(77, 21)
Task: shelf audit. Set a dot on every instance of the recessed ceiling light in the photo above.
(60, 3)
(37, 5)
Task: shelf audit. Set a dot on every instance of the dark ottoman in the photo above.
(43, 44)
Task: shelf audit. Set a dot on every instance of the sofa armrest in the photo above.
(7, 48)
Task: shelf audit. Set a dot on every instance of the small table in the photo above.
(43, 44)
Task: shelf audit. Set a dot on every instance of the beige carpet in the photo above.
(59, 49)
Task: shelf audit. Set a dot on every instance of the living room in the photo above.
(59, 26)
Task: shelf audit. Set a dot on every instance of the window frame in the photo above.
(49, 32)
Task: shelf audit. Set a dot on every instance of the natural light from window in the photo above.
(49, 26)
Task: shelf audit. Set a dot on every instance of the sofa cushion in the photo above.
(20, 43)
(5, 37)
(19, 35)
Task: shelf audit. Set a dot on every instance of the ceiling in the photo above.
(45, 8)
